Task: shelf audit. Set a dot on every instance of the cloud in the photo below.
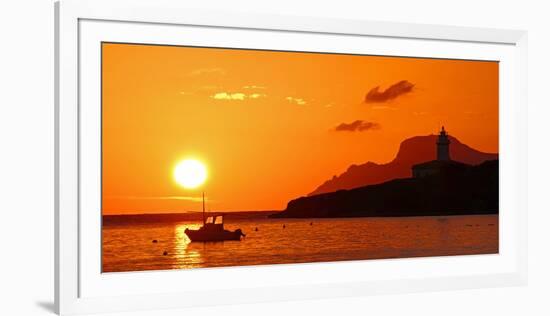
(183, 198)
(357, 126)
(239, 96)
(229, 96)
(208, 71)
(257, 95)
(383, 107)
(397, 89)
(296, 100)
(254, 87)
(209, 88)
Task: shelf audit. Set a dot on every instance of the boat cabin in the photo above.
(214, 222)
(215, 219)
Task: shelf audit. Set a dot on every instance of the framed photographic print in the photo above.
(213, 158)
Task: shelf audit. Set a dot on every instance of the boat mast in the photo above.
(203, 214)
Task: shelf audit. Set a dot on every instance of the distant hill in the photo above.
(411, 151)
(473, 190)
(136, 219)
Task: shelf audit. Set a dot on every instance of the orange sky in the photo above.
(265, 122)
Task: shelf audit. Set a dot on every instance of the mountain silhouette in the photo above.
(454, 190)
(412, 151)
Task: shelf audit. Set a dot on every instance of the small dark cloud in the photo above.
(357, 126)
(394, 91)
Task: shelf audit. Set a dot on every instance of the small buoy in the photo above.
(311, 224)
(256, 229)
(165, 253)
(155, 241)
(284, 226)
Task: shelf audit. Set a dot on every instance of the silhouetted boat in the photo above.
(212, 229)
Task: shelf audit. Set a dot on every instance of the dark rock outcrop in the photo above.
(450, 192)
(411, 151)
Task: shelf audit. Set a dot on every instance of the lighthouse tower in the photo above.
(443, 163)
(443, 145)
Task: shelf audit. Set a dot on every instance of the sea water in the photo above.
(132, 247)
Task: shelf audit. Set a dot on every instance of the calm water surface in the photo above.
(129, 247)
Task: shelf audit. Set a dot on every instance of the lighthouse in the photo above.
(442, 163)
(443, 146)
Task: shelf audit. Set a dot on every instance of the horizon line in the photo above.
(190, 212)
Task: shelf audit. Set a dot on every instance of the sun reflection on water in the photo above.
(186, 257)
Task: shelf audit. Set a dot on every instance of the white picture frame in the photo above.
(79, 285)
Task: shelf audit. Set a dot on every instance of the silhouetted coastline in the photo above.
(469, 191)
(459, 181)
(413, 150)
(124, 219)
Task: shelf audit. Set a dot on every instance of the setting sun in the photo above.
(190, 173)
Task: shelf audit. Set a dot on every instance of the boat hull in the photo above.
(202, 236)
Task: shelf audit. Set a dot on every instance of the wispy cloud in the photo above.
(254, 87)
(173, 197)
(257, 95)
(382, 107)
(298, 101)
(229, 96)
(400, 88)
(239, 96)
(357, 126)
(208, 71)
(209, 88)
